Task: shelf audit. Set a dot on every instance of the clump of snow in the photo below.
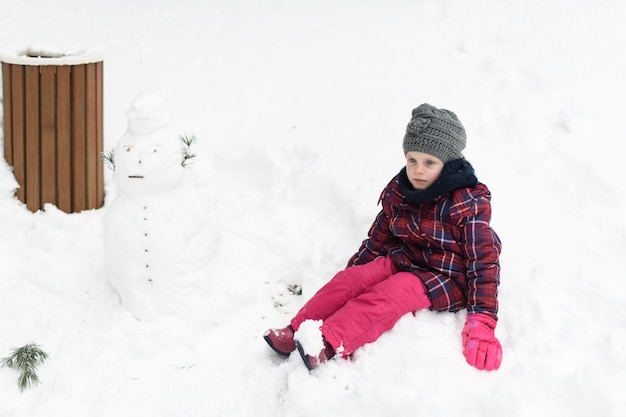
(310, 337)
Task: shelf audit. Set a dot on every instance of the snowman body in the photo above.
(155, 241)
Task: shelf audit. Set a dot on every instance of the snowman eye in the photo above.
(154, 150)
(129, 148)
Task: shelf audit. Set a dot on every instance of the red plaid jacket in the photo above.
(446, 242)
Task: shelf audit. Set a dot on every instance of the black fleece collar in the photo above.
(455, 174)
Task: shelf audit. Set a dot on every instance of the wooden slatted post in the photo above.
(53, 128)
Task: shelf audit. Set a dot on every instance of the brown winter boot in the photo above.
(281, 340)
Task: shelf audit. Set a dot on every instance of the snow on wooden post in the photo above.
(53, 128)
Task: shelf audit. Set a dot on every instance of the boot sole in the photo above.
(306, 358)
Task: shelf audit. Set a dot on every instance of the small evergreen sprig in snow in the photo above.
(25, 359)
(109, 158)
(187, 140)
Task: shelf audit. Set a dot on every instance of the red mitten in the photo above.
(480, 346)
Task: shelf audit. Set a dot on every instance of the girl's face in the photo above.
(422, 169)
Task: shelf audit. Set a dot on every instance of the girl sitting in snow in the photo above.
(430, 246)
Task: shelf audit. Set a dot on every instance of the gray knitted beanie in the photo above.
(436, 132)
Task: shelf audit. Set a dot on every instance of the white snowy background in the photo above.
(300, 109)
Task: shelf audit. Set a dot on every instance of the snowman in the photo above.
(155, 238)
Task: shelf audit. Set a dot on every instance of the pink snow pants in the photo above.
(362, 302)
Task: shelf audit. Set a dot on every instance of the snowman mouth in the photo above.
(135, 176)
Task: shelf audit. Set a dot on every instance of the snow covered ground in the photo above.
(300, 109)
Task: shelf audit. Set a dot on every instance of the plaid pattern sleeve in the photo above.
(372, 247)
(481, 247)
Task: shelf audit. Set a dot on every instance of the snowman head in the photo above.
(148, 157)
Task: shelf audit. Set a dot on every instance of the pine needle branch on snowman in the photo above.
(108, 158)
(187, 141)
(25, 359)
